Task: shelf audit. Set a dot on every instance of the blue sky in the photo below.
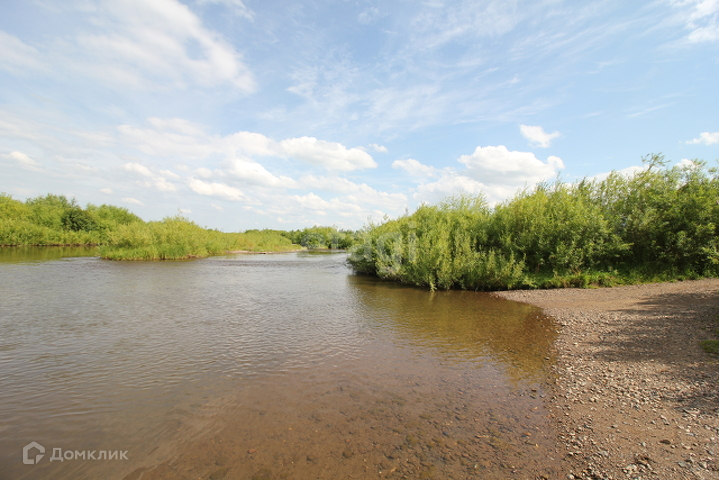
(248, 114)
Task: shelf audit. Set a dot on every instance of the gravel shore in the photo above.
(635, 396)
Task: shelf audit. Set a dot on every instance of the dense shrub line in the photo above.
(120, 234)
(659, 224)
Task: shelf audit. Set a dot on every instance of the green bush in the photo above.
(658, 224)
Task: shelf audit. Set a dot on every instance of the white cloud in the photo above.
(16, 56)
(137, 168)
(160, 142)
(331, 155)
(497, 165)
(701, 18)
(355, 193)
(21, 158)
(449, 184)
(136, 44)
(251, 144)
(180, 138)
(311, 201)
(203, 172)
(106, 191)
(168, 173)
(494, 172)
(177, 125)
(162, 185)
(214, 189)
(537, 136)
(706, 138)
(253, 173)
(378, 148)
(153, 181)
(133, 201)
(415, 168)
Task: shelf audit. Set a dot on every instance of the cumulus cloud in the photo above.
(358, 193)
(157, 182)
(537, 136)
(137, 168)
(415, 168)
(133, 201)
(450, 183)
(705, 138)
(253, 173)
(378, 148)
(331, 155)
(498, 165)
(180, 138)
(213, 189)
(494, 172)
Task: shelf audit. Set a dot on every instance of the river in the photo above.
(263, 367)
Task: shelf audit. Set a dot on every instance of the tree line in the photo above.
(121, 235)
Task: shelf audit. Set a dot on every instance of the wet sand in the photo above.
(635, 396)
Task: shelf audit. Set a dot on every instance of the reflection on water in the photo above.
(461, 324)
(29, 254)
(171, 360)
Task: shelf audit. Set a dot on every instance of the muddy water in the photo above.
(265, 366)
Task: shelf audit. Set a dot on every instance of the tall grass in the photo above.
(658, 224)
(178, 238)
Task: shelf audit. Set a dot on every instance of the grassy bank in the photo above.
(121, 235)
(658, 225)
(177, 238)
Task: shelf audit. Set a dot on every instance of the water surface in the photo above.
(264, 366)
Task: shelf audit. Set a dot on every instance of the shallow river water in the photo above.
(257, 367)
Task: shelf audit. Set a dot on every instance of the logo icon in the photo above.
(26, 459)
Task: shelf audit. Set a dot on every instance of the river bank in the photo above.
(635, 396)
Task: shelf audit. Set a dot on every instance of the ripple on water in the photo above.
(139, 356)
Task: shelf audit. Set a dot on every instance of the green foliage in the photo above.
(658, 224)
(710, 346)
(176, 238)
(322, 237)
(122, 235)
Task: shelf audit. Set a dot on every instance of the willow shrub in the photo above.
(668, 217)
(660, 223)
(439, 246)
(322, 237)
(556, 228)
(55, 220)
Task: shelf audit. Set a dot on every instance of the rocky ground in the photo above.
(635, 396)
